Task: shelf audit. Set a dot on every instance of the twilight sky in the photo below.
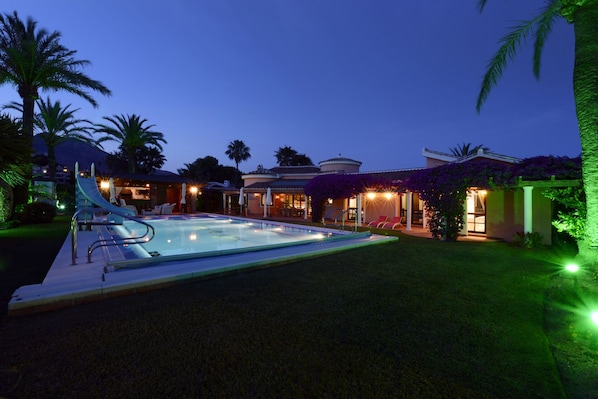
(374, 81)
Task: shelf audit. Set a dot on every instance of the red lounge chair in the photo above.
(392, 223)
(377, 223)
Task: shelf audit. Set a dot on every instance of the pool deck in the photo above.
(67, 285)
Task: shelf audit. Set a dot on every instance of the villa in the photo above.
(498, 214)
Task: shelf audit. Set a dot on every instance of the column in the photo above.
(527, 209)
(306, 206)
(409, 196)
(464, 228)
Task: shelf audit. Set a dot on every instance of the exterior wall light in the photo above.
(572, 268)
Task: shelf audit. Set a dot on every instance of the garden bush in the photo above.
(38, 212)
(528, 240)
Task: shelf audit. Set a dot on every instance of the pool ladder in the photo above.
(118, 220)
(338, 213)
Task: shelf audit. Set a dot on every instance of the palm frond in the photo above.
(549, 15)
(481, 5)
(510, 44)
(539, 27)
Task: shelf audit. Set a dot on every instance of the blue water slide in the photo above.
(89, 188)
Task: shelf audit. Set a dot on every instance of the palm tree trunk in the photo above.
(132, 161)
(28, 114)
(21, 192)
(585, 86)
(52, 169)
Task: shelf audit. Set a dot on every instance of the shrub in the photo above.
(5, 202)
(38, 212)
(570, 206)
(528, 240)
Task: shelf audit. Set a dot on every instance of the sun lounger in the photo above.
(377, 223)
(392, 223)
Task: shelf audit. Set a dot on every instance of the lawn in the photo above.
(417, 318)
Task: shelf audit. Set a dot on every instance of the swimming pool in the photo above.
(122, 271)
(207, 235)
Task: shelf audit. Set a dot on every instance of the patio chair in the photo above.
(167, 209)
(392, 223)
(123, 204)
(377, 223)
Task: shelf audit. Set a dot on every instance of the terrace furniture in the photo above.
(377, 223)
(123, 204)
(392, 223)
(167, 209)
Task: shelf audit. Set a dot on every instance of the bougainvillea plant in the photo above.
(336, 186)
(444, 191)
(544, 167)
(444, 188)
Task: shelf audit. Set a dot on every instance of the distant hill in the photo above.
(71, 151)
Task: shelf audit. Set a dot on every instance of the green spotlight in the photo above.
(594, 317)
(572, 268)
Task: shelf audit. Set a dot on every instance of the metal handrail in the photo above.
(105, 243)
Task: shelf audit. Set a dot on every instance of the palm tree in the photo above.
(465, 149)
(32, 59)
(132, 134)
(55, 125)
(583, 14)
(149, 159)
(302, 160)
(285, 155)
(238, 152)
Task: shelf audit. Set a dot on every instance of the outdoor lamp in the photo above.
(104, 185)
(573, 269)
(193, 190)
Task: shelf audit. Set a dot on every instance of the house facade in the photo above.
(499, 213)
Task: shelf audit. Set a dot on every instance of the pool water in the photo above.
(187, 237)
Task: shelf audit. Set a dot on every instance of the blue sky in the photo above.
(374, 81)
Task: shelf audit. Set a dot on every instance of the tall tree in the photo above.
(147, 160)
(33, 59)
(287, 156)
(465, 149)
(55, 125)
(132, 133)
(201, 170)
(238, 152)
(583, 14)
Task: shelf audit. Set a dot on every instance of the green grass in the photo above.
(413, 319)
(27, 252)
